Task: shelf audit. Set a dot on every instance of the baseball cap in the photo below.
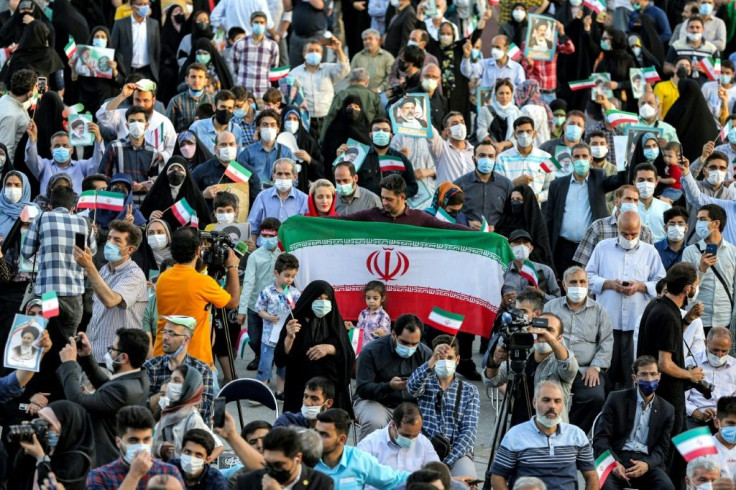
(516, 234)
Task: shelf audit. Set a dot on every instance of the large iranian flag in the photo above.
(422, 268)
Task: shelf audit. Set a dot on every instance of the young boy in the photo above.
(226, 207)
(258, 275)
(725, 438)
(671, 179)
(273, 307)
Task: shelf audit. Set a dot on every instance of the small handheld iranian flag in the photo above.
(289, 298)
(243, 339)
(445, 320)
(529, 272)
(604, 465)
(278, 73)
(485, 227)
(621, 117)
(695, 443)
(550, 165)
(390, 163)
(711, 67)
(237, 173)
(514, 52)
(650, 74)
(158, 135)
(111, 201)
(582, 84)
(443, 215)
(71, 48)
(356, 339)
(725, 129)
(87, 200)
(183, 212)
(49, 305)
(194, 222)
(596, 6)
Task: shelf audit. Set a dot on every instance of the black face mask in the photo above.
(119, 190)
(222, 116)
(176, 178)
(452, 213)
(682, 72)
(281, 475)
(516, 207)
(180, 18)
(352, 114)
(203, 26)
(402, 65)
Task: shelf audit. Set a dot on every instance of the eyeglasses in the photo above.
(111, 348)
(171, 333)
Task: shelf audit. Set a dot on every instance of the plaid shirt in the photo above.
(139, 162)
(111, 476)
(601, 229)
(461, 431)
(159, 372)
(545, 72)
(249, 130)
(252, 62)
(182, 108)
(610, 133)
(52, 236)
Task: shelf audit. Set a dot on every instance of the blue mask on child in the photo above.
(259, 29)
(729, 434)
(270, 242)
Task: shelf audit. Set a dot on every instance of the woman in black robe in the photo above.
(12, 31)
(516, 31)
(521, 212)
(347, 124)
(173, 31)
(578, 65)
(313, 170)
(33, 52)
(67, 21)
(201, 152)
(692, 119)
(321, 347)
(617, 61)
(216, 68)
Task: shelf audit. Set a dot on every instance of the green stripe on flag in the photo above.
(448, 314)
(686, 436)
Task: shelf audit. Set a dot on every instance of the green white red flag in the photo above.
(582, 84)
(651, 75)
(604, 465)
(445, 320)
(71, 48)
(550, 165)
(237, 173)
(514, 52)
(49, 305)
(711, 67)
(443, 215)
(278, 73)
(183, 212)
(356, 339)
(111, 201)
(596, 6)
(390, 163)
(621, 117)
(695, 443)
(529, 272)
(158, 135)
(243, 339)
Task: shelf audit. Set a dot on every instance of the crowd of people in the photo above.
(136, 134)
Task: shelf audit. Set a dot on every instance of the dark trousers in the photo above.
(677, 464)
(618, 375)
(255, 331)
(564, 251)
(655, 478)
(587, 402)
(70, 313)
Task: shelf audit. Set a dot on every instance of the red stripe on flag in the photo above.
(605, 474)
(703, 451)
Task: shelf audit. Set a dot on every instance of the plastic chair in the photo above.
(252, 390)
(592, 427)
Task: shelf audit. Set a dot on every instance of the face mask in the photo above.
(715, 177)
(270, 242)
(239, 113)
(61, 154)
(225, 218)
(682, 72)
(647, 387)
(675, 233)
(110, 362)
(446, 39)
(518, 15)
(702, 229)
(444, 368)
(404, 351)
(112, 252)
(629, 206)
(429, 84)
(560, 120)
(281, 475)
(283, 185)
(646, 189)
(542, 348)
(524, 139)
(3, 157)
(143, 10)
(313, 59)
(157, 242)
(647, 111)
(222, 116)
(458, 132)
(497, 53)
(196, 93)
(203, 25)
(291, 126)
(228, 153)
(573, 132)
(576, 3)
(259, 29)
(516, 207)
(476, 54)
(268, 135)
(729, 434)
(352, 113)
(321, 307)
(521, 252)
(637, 6)
(581, 167)
(725, 79)
(176, 178)
(695, 292)
(53, 438)
(381, 139)
(706, 9)
(203, 58)
(732, 136)
(411, 43)
(99, 42)
(636, 50)
(190, 464)
(716, 361)
(137, 129)
(173, 391)
(651, 154)
(131, 449)
(485, 165)
(344, 189)
(404, 442)
(402, 65)
(705, 486)
(179, 18)
(599, 152)
(577, 294)
(310, 413)
(605, 45)
(163, 402)
(395, 3)
(695, 36)
(627, 244)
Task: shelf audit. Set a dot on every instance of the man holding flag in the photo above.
(523, 273)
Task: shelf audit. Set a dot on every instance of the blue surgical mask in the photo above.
(344, 189)
(321, 307)
(647, 387)
(203, 58)
(524, 139)
(581, 167)
(239, 113)
(196, 93)
(485, 165)
(313, 59)
(605, 45)
(99, 42)
(475, 54)
(132, 449)
(636, 50)
(259, 29)
(728, 434)
(629, 206)
(702, 229)
(404, 442)
(143, 10)
(651, 153)
(725, 79)
(573, 132)
(112, 252)
(53, 438)
(706, 9)
(61, 154)
(560, 120)
(404, 351)
(381, 138)
(732, 136)
(270, 242)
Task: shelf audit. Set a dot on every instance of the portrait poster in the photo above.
(483, 97)
(238, 232)
(242, 190)
(633, 134)
(411, 116)
(600, 80)
(638, 82)
(355, 154)
(79, 133)
(422, 199)
(94, 62)
(21, 349)
(541, 38)
(563, 155)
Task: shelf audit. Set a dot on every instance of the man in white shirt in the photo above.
(136, 38)
(499, 65)
(454, 155)
(623, 274)
(651, 209)
(237, 13)
(401, 444)
(725, 439)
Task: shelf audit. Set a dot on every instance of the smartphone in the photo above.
(219, 413)
(712, 249)
(626, 284)
(42, 85)
(475, 482)
(80, 240)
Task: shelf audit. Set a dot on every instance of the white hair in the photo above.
(705, 463)
(529, 483)
(547, 382)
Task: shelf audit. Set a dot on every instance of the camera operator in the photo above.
(182, 290)
(551, 360)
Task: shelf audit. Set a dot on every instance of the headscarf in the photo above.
(527, 92)
(8, 165)
(146, 257)
(216, 64)
(160, 255)
(191, 396)
(12, 31)
(201, 152)
(530, 218)
(637, 157)
(43, 200)
(198, 33)
(508, 114)
(9, 212)
(692, 119)
(104, 217)
(170, 37)
(313, 207)
(342, 128)
(644, 27)
(76, 440)
(315, 169)
(33, 53)
(515, 31)
(442, 195)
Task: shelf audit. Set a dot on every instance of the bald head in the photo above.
(164, 482)
(628, 223)
(500, 41)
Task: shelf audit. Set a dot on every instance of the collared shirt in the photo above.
(182, 109)
(116, 121)
(512, 165)
(697, 197)
(111, 476)
(207, 134)
(669, 132)
(726, 458)
(514, 281)
(723, 378)
(52, 236)
(611, 262)
(653, 218)
(527, 451)
(577, 215)
(411, 459)
(451, 162)
(140, 43)
(714, 31)
(210, 479)
(159, 372)
(13, 122)
(357, 468)
(637, 441)
(249, 130)
(319, 85)
(258, 276)
(488, 71)
(588, 332)
(268, 203)
(438, 410)
(236, 13)
(669, 257)
(10, 387)
(730, 152)
(129, 282)
(252, 63)
(212, 172)
(274, 302)
(610, 133)
(263, 160)
(668, 93)
(602, 229)
(121, 156)
(378, 66)
(43, 168)
(484, 199)
(361, 200)
(371, 322)
(711, 292)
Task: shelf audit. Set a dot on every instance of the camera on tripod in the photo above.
(514, 332)
(216, 249)
(24, 432)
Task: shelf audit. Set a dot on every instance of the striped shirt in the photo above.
(182, 108)
(555, 459)
(252, 62)
(512, 165)
(129, 282)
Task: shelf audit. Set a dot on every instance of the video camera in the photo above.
(704, 387)
(24, 432)
(514, 333)
(216, 248)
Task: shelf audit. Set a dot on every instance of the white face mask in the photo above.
(646, 189)
(227, 153)
(647, 112)
(173, 391)
(310, 413)
(225, 218)
(716, 361)
(521, 252)
(13, 194)
(549, 423)
(627, 244)
(191, 464)
(157, 242)
(163, 402)
(446, 39)
(577, 294)
(542, 348)
(518, 15)
(497, 54)
(131, 449)
(599, 151)
(675, 233)
(283, 185)
(458, 132)
(291, 126)
(137, 129)
(110, 362)
(268, 134)
(716, 177)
